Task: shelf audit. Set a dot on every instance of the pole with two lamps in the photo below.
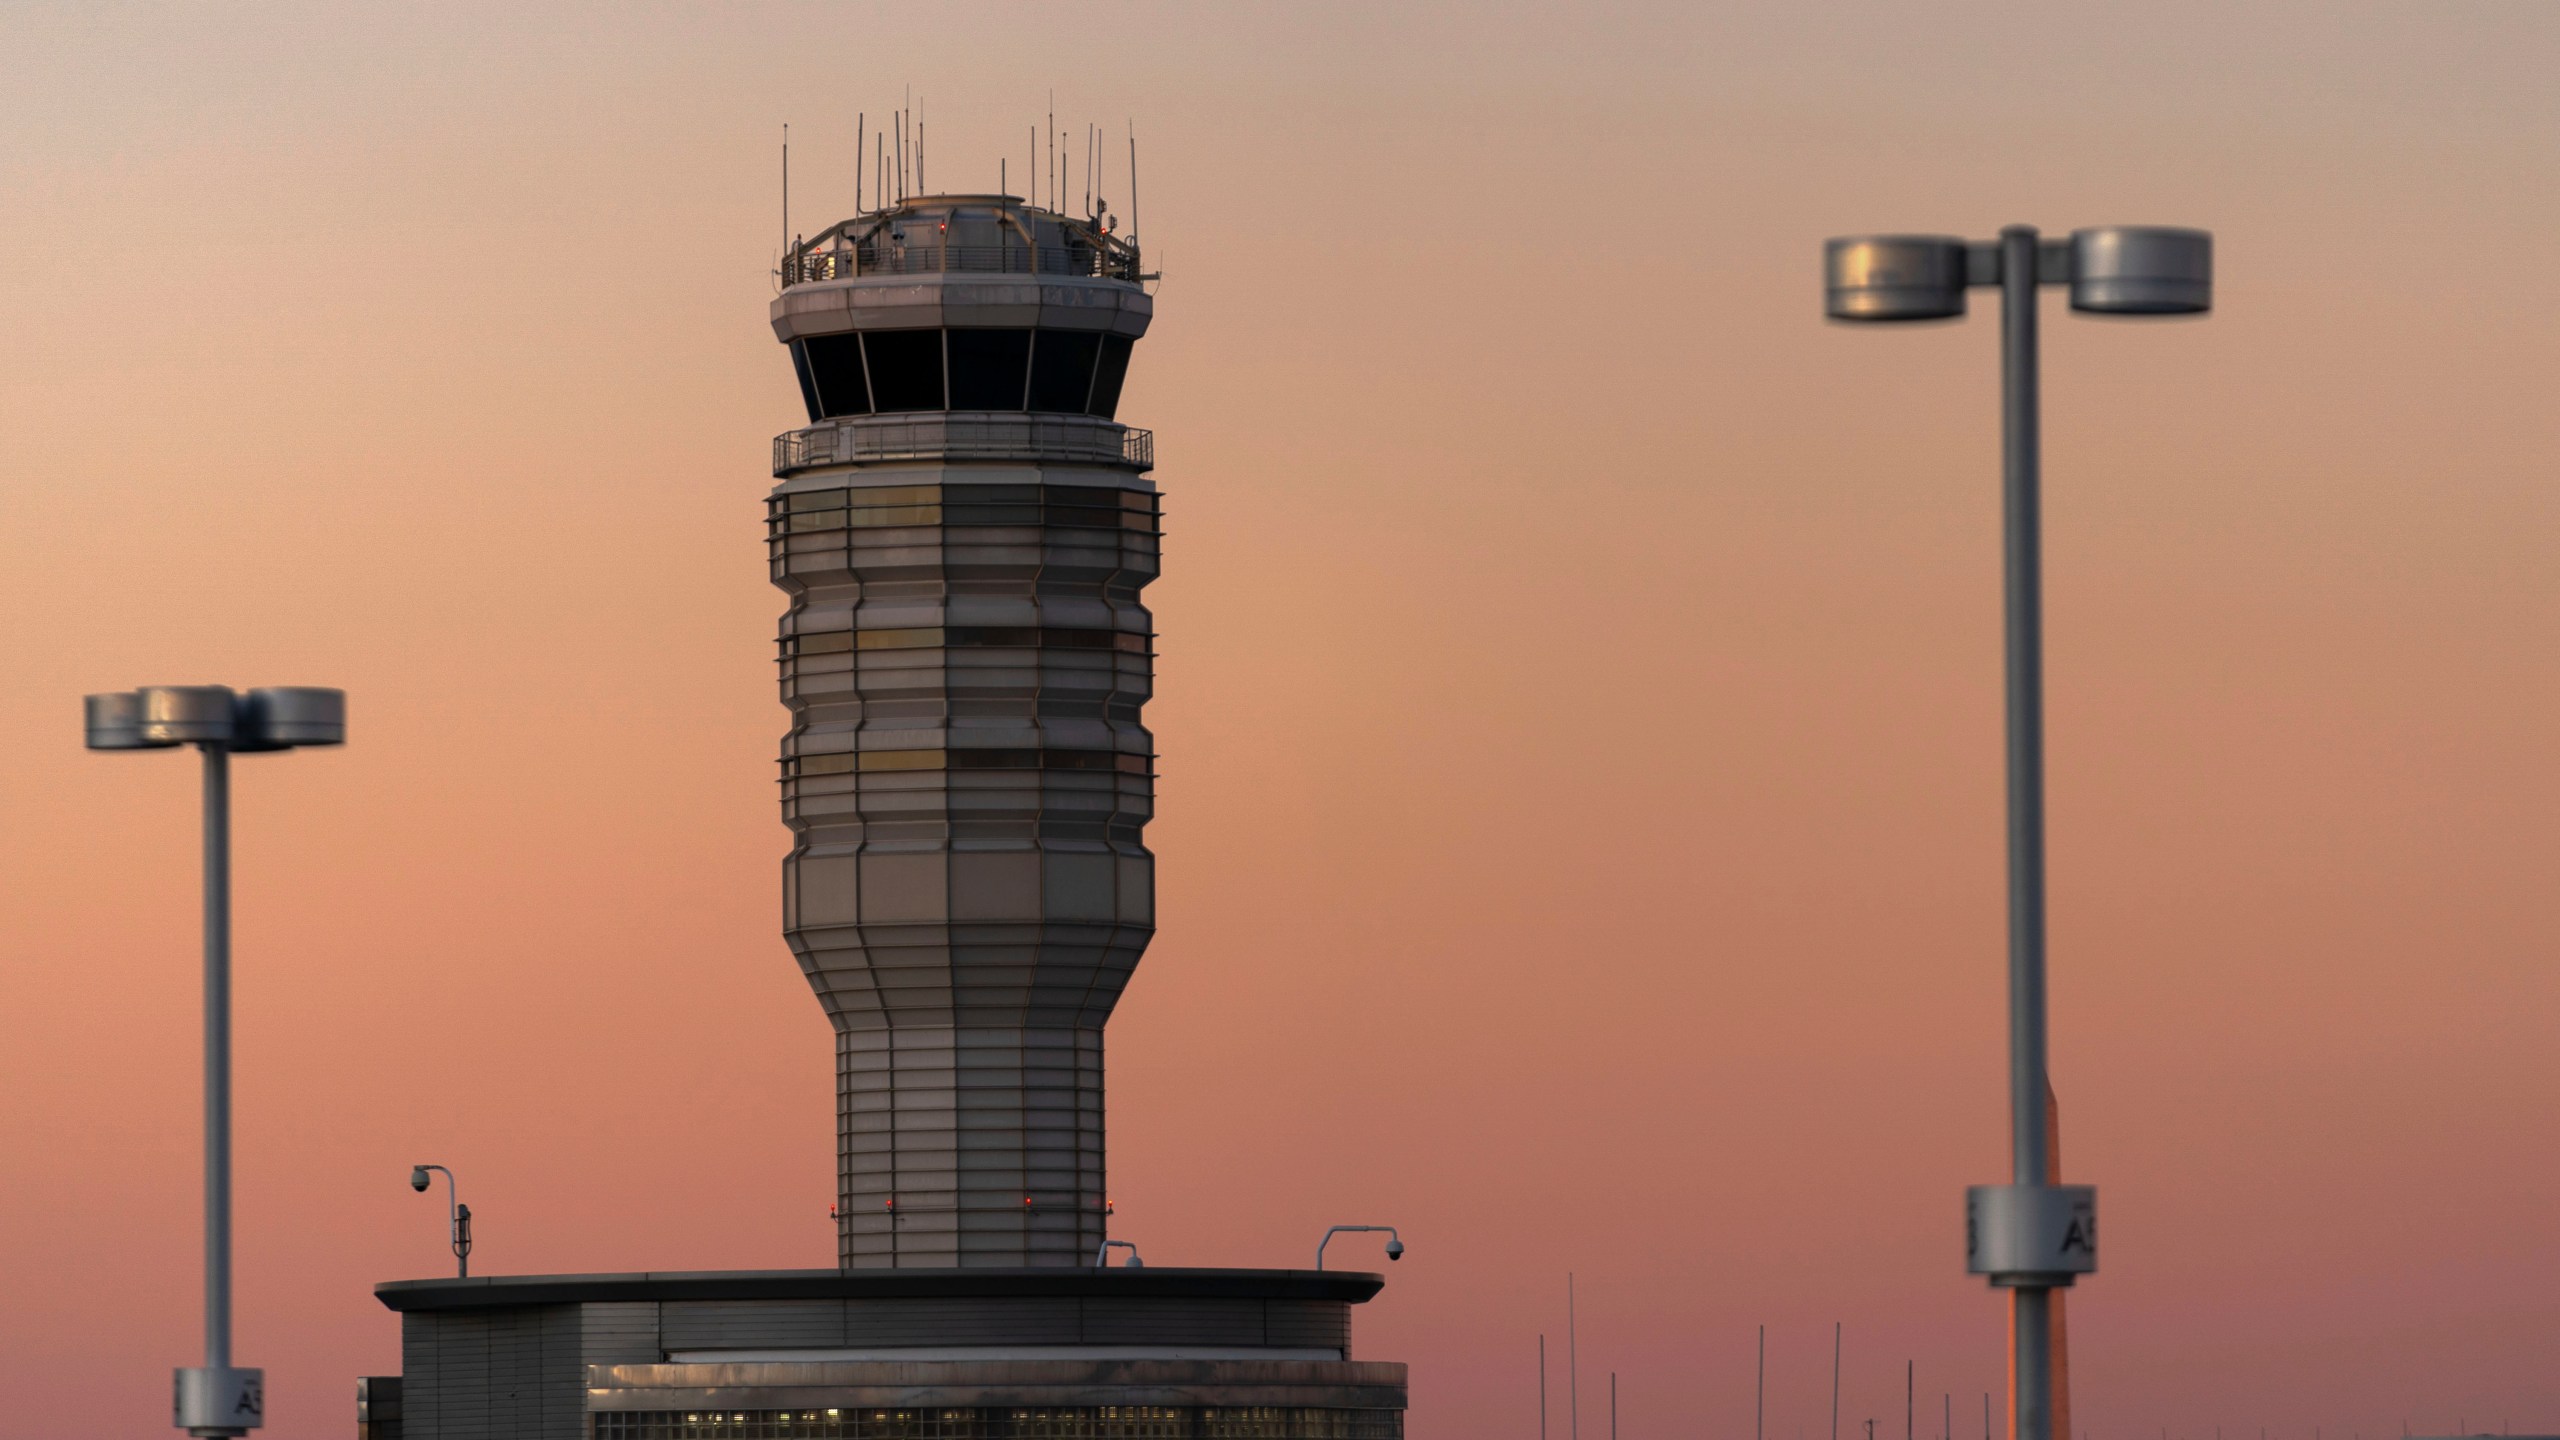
(2033, 1235)
(217, 1397)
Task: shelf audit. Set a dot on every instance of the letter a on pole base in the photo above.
(226, 1401)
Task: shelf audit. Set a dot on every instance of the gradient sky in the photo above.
(1580, 823)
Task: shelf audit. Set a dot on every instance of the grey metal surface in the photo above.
(274, 717)
(218, 722)
(2031, 1234)
(113, 721)
(1183, 1350)
(218, 1400)
(2124, 270)
(2031, 1334)
(503, 1374)
(378, 1408)
(931, 235)
(1155, 1282)
(942, 435)
(967, 775)
(1894, 277)
(1007, 1422)
(503, 1356)
(217, 1049)
(2141, 270)
(1330, 1384)
(967, 772)
(285, 717)
(186, 714)
(2022, 549)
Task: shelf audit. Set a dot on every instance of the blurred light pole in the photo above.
(2033, 1235)
(216, 1398)
(457, 1216)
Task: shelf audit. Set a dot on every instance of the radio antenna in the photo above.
(786, 202)
(1133, 180)
(920, 158)
(857, 162)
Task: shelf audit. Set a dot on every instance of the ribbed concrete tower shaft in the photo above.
(964, 532)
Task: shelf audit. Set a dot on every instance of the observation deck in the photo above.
(963, 234)
(875, 440)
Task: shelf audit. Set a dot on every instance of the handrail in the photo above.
(931, 257)
(938, 435)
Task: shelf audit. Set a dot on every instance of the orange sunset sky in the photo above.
(1580, 828)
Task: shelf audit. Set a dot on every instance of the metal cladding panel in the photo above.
(1311, 1324)
(1173, 1322)
(751, 1324)
(966, 661)
(502, 1374)
(990, 1321)
(624, 1332)
(421, 1377)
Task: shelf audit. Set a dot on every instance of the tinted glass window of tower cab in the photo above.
(885, 372)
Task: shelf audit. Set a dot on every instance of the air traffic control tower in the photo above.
(965, 532)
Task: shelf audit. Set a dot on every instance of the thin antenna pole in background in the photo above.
(1133, 179)
(880, 169)
(1542, 1387)
(1002, 187)
(1910, 1397)
(1034, 172)
(1986, 1418)
(786, 202)
(1572, 1367)
(857, 162)
(1835, 1380)
(920, 158)
(1613, 1405)
(1053, 154)
(1760, 1386)
(1949, 1433)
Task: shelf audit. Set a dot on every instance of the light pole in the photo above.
(457, 1216)
(1395, 1243)
(2032, 1235)
(217, 1398)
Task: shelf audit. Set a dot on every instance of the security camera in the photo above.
(417, 1177)
(1395, 1250)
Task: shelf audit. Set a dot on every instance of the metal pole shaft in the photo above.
(217, 1056)
(2021, 481)
(1835, 1380)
